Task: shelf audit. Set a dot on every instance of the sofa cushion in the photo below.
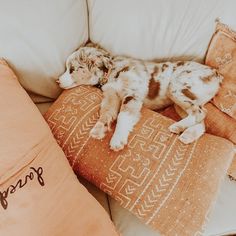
(222, 55)
(39, 193)
(157, 29)
(155, 176)
(37, 37)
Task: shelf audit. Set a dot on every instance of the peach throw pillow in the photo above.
(39, 193)
(222, 55)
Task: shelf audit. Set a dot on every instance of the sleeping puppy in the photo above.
(128, 84)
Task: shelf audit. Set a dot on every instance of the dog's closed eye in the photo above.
(72, 69)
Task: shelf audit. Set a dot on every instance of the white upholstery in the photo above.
(37, 36)
(222, 220)
(158, 29)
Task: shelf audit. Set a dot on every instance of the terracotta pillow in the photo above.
(222, 55)
(168, 185)
(39, 193)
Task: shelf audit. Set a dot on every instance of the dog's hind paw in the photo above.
(193, 133)
(176, 128)
(117, 144)
(186, 138)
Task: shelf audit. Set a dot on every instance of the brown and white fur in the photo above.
(132, 83)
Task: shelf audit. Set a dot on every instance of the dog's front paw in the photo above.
(117, 144)
(98, 131)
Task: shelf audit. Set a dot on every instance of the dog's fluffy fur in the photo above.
(129, 83)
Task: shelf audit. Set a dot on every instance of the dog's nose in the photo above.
(65, 80)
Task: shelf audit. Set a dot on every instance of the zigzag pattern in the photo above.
(163, 184)
(79, 139)
(111, 178)
(129, 189)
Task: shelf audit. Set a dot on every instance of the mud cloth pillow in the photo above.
(168, 185)
(39, 193)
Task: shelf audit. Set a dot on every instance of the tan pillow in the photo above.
(222, 55)
(168, 185)
(39, 193)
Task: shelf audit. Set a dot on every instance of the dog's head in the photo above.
(85, 66)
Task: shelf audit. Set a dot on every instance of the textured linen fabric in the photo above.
(39, 193)
(158, 29)
(36, 37)
(168, 185)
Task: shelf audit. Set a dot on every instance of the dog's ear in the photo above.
(107, 62)
(82, 55)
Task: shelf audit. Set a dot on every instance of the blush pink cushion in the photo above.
(39, 193)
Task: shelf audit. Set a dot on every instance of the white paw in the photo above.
(176, 128)
(98, 131)
(117, 144)
(187, 137)
(193, 133)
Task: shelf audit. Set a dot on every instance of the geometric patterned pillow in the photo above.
(170, 186)
(222, 55)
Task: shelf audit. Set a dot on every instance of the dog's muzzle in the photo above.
(65, 81)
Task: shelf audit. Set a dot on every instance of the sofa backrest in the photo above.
(158, 29)
(36, 37)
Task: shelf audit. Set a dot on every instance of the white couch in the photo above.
(37, 36)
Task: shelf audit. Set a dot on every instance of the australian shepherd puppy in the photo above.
(128, 84)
